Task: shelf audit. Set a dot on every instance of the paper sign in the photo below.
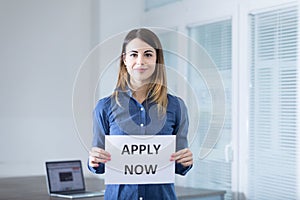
(140, 159)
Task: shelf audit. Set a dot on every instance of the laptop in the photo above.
(65, 179)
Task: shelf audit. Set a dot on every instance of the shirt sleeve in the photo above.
(100, 129)
(181, 131)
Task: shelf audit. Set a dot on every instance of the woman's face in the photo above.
(140, 61)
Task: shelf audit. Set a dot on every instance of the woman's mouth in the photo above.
(140, 69)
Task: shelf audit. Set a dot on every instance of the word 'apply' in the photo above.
(141, 149)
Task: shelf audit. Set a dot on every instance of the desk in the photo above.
(35, 188)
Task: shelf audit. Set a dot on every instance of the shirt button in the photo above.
(142, 125)
(142, 109)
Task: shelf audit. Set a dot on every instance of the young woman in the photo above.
(140, 105)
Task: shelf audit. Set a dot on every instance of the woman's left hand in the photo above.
(183, 156)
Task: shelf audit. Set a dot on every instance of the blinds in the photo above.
(213, 172)
(273, 105)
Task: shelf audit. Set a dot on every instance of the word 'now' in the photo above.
(140, 169)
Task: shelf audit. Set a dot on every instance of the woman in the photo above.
(140, 105)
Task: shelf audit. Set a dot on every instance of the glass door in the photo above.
(212, 170)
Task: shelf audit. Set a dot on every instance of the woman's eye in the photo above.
(133, 55)
(148, 55)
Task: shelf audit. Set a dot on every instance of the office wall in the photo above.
(43, 44)
(116, 19)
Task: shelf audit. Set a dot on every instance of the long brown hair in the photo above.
(157, 88)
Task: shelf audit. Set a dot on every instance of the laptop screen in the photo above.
(65, 176)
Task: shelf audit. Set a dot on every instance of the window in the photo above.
(169, 40)
(214, 171)
(273, 148)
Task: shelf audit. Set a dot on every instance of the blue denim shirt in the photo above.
(129, 117)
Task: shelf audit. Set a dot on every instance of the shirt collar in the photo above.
(126, 91)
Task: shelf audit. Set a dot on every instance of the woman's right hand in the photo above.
(98, 155)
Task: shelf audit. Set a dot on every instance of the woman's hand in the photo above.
(183, 156)
(98, 155)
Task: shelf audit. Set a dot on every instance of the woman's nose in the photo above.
(140, 60)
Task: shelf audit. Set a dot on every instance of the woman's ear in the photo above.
(124, 58)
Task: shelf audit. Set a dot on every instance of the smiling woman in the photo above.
(140, 105)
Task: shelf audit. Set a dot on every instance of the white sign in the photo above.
(140, 159)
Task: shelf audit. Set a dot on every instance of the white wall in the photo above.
(118, 16)
(43, 44)
(116, 19)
